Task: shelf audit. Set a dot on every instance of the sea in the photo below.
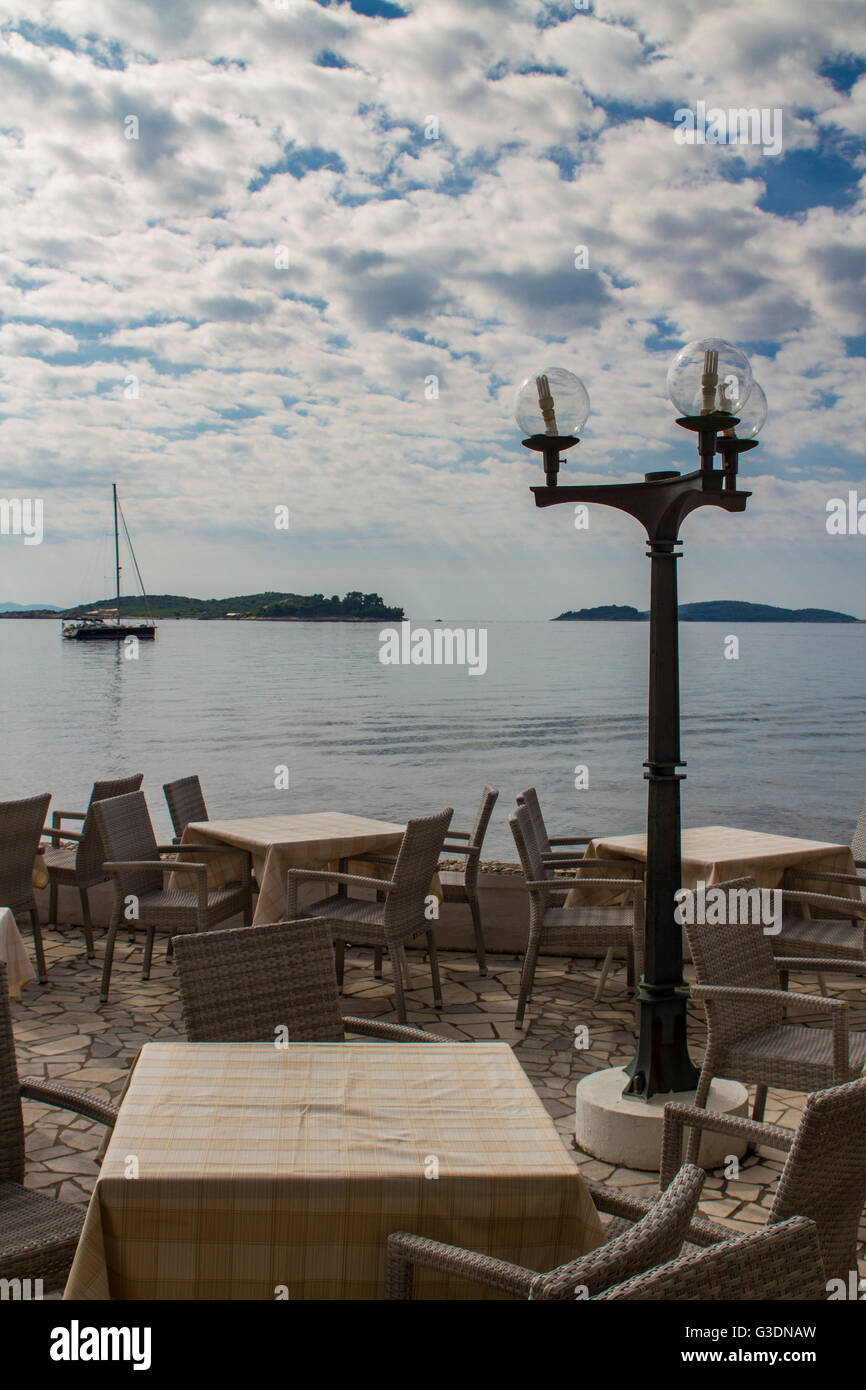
(289, 717)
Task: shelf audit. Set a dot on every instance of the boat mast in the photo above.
(116, 551)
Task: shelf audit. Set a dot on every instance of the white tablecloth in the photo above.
(13, 953)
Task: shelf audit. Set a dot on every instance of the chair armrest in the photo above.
(679, 1117)
(473, 851)
(393, 1032)
(822, 876)
(557, 884)
(846, 907)
(459, 834)
(370, 856)
(570, 839)
(615, 1201)
(817, 965)
(382, 885)
(59, 835)
(405, 1250)
(66, 1099)
(769, 996)
(171, 866)
(58, 816)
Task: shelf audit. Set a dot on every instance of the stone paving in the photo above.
(62, 1032)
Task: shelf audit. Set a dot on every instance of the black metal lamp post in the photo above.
(715, 378)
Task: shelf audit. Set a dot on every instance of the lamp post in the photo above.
(711, 383)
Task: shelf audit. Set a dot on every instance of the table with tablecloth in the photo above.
(715, 853)
(316, 840)
(13, 954)
(250, 1171)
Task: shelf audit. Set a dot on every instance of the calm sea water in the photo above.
(775, 740)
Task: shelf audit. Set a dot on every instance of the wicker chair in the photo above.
(779, 1263)
(81, 867)
(462, 886)
(21, 825)
(656, 1237)
(824, 1176)
(185, 803)
(244, 984)
(593, 929)
(397, 916)
(835, 938)
(134, 862)
(747, 1037)
(38, 1235)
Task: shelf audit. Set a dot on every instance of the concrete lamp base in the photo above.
(629, 1132)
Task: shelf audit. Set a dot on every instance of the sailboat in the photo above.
(98, 625)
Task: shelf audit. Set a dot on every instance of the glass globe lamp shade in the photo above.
(753, 413)
(707, 375)
(553, 402)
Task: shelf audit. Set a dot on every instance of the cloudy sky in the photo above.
(243, 307)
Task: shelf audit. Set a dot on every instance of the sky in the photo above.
(292, 253)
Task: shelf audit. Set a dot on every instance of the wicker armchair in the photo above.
(779, 1263)
(245, 984)
(397, 917)
(747, 1037)
(134, 862)
(21, 825)
(824, 1176)
(657, 1236)
(841, 936)
(81, 866)
(38, 1235)
(462, 886)
(185, 803)
(595, 930)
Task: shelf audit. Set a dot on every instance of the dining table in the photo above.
(310, 840)
(255, 1171)
(14, 955)
(714, 853)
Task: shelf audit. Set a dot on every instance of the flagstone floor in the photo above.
(62, 1032)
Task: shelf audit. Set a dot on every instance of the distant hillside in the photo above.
(717, 611)
(29, 608)
(355, 607)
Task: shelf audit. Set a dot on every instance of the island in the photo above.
(716, 611)
(355, 607)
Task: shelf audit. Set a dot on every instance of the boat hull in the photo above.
(110, 634)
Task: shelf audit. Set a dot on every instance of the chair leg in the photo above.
(472, 899)
(340, 960)
(398, 965)
(88, 924)
(169, 951)
(527, 976)
(701, 1094)
(434, 970)
(760, 1102)
(822, 983)
(148, 954)
(605, 970)
(377, 962)
(52, 901)
(37, 943)
(109, 955)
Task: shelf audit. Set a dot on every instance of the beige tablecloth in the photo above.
(239, 1169)
(714, 853)
(13, 953)
(314, 841)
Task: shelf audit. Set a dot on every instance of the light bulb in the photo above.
(552, 402)
(707, 375)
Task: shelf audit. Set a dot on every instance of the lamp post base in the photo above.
(612, 1128)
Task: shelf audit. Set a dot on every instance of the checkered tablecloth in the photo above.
(242, 1171)
(715, 853)
(314, 841)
